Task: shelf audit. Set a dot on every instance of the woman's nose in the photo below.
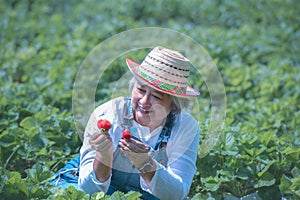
(145, 100)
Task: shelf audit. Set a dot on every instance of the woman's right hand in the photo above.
(102, 143)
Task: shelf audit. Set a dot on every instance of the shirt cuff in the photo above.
(91, 184)
(149, 188)
(97, 182)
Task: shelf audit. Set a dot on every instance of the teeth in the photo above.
(143, 110)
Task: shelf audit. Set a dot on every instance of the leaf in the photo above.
(69, 193)
(73, 193)
(242, 176)
(267, 179)
(14, 177)
(117, 196)
(293, 152)
(210, 183)
(285, 184)
(7, 139)
(259, 150)
(46, 113)
(296, 172)
(15, 183)
(296, 184)
(250, 151)
(23, 187)
(266, 168)
(132, 195)
(98, 196)
(32, 133)
(39, 174)
(266, 137)
(226, 175)
(28, 123)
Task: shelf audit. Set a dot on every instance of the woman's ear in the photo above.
(173, 107)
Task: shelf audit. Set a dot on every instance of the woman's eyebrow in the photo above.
(153, 90)
(158, 93)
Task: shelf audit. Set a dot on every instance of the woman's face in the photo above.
(150, 106)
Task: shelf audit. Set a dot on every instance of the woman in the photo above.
(159, 159)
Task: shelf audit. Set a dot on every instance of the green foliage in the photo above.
(255, 45)
(35, 186)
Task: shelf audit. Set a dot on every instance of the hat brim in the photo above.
(133, 67)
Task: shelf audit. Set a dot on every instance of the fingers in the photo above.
(137, 159)
(97, 134)
(100, 141)
(133, 146)
(99, 137)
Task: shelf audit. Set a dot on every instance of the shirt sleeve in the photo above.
(87, 180)
(174, 181)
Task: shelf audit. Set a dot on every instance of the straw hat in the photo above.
(164, 70)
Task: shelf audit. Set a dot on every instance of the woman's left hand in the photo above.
(136, 151)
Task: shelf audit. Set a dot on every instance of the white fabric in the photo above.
(172, 182)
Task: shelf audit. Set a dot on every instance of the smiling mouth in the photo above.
(143, 111)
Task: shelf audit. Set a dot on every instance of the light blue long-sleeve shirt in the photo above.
(171, 182)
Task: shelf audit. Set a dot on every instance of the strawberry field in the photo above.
(255, 45)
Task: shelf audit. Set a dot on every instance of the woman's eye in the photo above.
(140, 90)
(156, 97)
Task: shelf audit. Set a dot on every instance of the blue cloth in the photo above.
(68, 175)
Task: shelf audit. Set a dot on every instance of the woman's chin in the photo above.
(143, 119)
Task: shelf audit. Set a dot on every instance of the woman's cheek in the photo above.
(160, 112)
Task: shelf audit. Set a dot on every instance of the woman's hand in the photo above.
(102, 143)
(136, 151)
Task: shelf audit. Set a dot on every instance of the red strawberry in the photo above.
(126, 134)
(104, 124)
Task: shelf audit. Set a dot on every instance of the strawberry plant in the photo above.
(255, 45)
